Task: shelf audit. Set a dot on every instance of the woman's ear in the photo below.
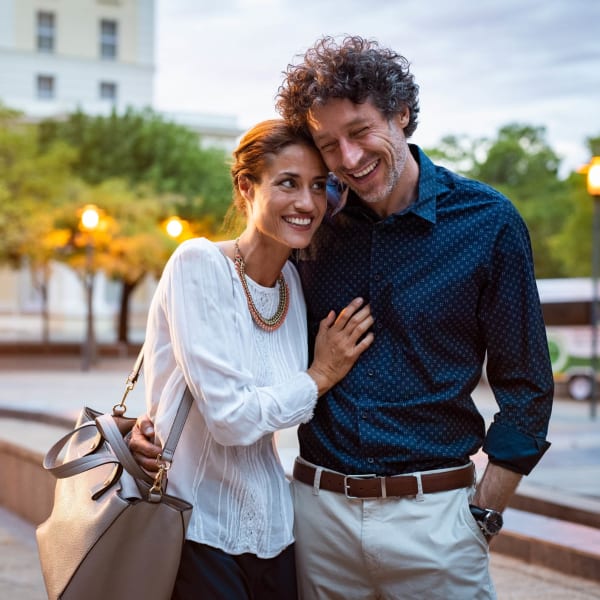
(246, 188)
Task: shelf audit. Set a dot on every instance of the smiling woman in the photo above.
(228, 321)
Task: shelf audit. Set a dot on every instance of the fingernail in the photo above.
(148, 430)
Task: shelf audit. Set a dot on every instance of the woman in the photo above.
(228, 320)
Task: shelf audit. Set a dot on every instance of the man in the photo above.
(383, 483)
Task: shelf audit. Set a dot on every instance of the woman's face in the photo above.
(288, 204)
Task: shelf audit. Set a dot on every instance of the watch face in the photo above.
(492, 522)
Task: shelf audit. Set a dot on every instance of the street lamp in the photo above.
(174, 227)
(593, 188)
(89, 220)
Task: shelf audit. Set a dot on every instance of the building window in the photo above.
(108, 91)
(45, 87)
(45, 31)
(108, 39)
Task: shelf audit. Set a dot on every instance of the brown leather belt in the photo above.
(371, 486)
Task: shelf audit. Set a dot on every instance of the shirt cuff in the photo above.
(510, 448)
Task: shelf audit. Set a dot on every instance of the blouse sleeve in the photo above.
(195, 294)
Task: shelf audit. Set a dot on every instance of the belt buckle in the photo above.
(360, 476)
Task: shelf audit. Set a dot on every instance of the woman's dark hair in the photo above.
(356, 69)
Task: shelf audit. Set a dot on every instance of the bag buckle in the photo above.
(160, 480)
(359, 476)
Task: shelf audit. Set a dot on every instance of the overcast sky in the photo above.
(480, 64)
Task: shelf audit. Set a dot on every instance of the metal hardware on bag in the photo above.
(120, 409)
(156, 491)
(361, 476)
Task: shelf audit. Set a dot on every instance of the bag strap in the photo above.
(108, 428)
(120, 409)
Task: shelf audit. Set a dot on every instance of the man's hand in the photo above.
(142, 446)
(495, 489)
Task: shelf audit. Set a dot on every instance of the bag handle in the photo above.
(108, 428)
(77, 465)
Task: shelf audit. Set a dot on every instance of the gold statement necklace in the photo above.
(276, 320)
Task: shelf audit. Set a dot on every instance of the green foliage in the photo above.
(33, 184)
(128, 241)
(594, 145)
(571, 243)
(520, 163)
(142, 147)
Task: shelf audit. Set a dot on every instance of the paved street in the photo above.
(56, 385)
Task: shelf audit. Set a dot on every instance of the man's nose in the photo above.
(350, 154)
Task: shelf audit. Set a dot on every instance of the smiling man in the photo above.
(384, 493)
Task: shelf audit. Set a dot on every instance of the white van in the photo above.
(567, 307)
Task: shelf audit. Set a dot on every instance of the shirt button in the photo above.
(370, 460)
(364, 415)
(378, 326)
(370, 372)
(377, 277)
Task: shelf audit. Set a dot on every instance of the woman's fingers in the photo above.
(354, 320)
(348, 312)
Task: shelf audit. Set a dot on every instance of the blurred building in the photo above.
(60, 55)
(57, 56)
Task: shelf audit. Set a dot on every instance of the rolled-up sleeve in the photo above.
(518, 363)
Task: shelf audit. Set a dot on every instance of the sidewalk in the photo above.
(55, 388)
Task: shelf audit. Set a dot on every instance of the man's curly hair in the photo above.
(357, 69)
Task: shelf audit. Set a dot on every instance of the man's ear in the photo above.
(402, 118)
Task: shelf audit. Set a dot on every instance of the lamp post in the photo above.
(593, 188)
(90, 218)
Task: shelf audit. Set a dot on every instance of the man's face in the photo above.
(363, 148)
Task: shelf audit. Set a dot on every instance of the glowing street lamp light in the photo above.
(593, 177)
(89, 221)
(174, 227)
(90, 217)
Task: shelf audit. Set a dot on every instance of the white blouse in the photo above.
(247, 383)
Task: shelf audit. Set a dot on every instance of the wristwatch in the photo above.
(490, 521)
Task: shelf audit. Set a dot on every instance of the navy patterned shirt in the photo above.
(450, 281)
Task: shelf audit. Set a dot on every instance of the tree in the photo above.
(129, 242)
(143, 168)
(572, 243)
(520, 163)
(33, 185)
(593, 144)
(141, 147)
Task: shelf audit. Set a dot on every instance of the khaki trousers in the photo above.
(391, 548)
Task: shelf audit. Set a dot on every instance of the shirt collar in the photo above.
(431, 186)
